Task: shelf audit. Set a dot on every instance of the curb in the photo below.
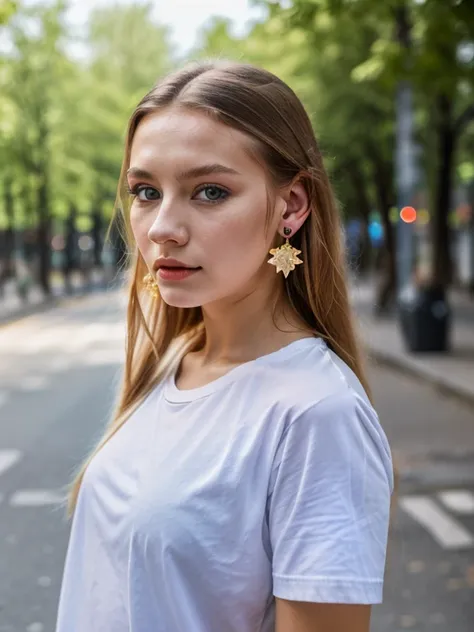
(407, 366)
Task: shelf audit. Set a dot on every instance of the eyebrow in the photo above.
(195, 172)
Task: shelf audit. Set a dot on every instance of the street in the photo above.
(58, 376)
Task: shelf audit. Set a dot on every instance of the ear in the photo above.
(295, 210)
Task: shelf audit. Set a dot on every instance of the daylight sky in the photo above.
(184, 17)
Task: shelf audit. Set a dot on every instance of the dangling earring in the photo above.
(151, 285)
(285, 258)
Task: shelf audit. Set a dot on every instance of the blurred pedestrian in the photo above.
(244, 482)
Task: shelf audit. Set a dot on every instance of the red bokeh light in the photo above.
(408, 214)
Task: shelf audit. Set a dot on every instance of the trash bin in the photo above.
(425, 319)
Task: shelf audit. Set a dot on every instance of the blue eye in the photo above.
(145, 194)
(213, 193)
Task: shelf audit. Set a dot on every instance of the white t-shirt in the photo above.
(273, 480)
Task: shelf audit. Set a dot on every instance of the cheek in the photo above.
(139, 230)
(242, 244)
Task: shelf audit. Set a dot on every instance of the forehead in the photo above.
(183, 137)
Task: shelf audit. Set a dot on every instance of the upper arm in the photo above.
(299, 616)
(329, 505)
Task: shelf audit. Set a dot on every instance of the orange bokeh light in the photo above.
(408, 214)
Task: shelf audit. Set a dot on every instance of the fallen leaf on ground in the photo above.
(407, 621)
(470, 576)
(416, 566)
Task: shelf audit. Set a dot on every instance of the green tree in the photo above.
(350, 123)
(128, 53)
(418, 40)
(33, 70)
(62, 121)
(7, 9)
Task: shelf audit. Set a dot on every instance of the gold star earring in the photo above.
(151, 285)
(285, 258)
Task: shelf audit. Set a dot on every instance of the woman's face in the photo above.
(199, 198)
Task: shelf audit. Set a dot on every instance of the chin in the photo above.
(179, 298)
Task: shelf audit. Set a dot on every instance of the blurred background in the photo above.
(389, 86)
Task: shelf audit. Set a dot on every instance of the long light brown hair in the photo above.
(259, 104)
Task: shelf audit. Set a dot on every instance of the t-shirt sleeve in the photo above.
(329, 504)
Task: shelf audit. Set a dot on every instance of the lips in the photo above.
(176, 268)
(169, 263)
(176, 273)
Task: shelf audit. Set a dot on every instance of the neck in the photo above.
(251, 325)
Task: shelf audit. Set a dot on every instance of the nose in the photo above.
(167, 226)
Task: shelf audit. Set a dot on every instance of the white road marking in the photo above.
(35, 498)
(460, 501)
(447, 531)
(8, 458)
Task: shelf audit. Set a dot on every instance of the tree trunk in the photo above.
(386, 290)
(70, 248)
(364, 208)
(44, 237)
(97, 236)
(442, 264)
(8, 268)
(44, 219)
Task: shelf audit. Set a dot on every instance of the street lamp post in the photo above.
(423, 312)
(406, 181)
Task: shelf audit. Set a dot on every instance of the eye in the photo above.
(213, 193)
(145, 193)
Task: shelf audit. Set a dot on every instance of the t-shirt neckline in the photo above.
(174, 395)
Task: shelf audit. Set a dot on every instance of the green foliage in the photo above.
(7, 9)
(323, 60)
(362, 50)
(62, 120)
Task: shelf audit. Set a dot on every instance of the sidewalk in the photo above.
(12, 307)
(452, 372)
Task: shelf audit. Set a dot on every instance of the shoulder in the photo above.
(324, 409)
(339, 440)
(311, 375)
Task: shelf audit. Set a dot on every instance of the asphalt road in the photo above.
(58, 372)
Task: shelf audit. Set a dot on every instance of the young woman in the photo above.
(244, 483)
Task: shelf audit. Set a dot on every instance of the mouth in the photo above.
(176, 273)
(169, 269)
(169, 262)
